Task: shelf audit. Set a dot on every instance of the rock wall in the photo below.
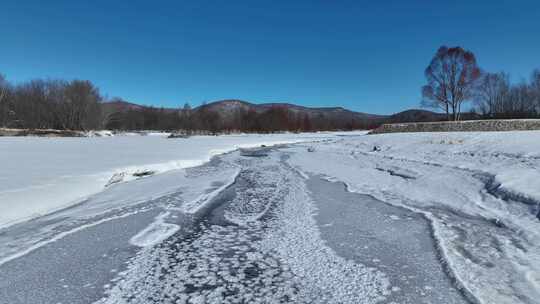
(461, 126)
(40, 132)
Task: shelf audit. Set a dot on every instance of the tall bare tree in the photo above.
(451, 77)
(186, 121)
(4, 109)
(81, 110)
(535, 86)
(520, 102)
(492, 92)
(3, 87)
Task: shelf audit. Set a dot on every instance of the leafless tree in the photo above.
(519, 103)
(535, 87)
(110, 117)
(496, 97)
(30, 106)
(81, 109)
(4, 108)
(491, 93)
(451, 77)
(3, 87)
(186, 119)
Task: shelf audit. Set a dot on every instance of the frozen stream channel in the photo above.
(257, 231)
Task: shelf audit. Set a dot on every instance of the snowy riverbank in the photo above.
(41, 175)
(481, 192)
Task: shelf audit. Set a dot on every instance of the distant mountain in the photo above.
(121, 106)
(416, 115)
(229, 106)
(230, 110)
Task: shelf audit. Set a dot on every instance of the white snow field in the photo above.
(480, 191)
(42, 175)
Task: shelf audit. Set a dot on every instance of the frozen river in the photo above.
(259, 231)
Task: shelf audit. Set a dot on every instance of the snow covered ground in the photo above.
(41, 175)
(394, 218)
(481, 192)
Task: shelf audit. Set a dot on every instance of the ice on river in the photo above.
(269, 251)
(155, 233)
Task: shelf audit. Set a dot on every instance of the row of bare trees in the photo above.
(190, 120)
(78, 105)
(145, 118)
(454, 78)
(50, 104)
(497, 98)
(273, 119)
(281, 118)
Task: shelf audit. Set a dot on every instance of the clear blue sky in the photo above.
(364, 55)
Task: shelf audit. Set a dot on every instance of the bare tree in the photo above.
(4, 108)
(306, 124)
(519, 103)
(186, 121)
(491, 93)
(496, 97)
(535, 87)
(30, 106)
(451, 77)
(3, 87)
(81, 110)
(110, 117)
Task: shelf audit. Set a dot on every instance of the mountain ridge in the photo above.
(227, 107)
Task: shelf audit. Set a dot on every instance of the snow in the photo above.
(481, 192)
(176, 191)
(42, 175)
(260, 239)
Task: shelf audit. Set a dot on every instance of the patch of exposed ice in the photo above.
(155, 233)
(200, 202)
(35, 245)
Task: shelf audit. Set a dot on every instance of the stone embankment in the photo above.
(461, 126)
(41, 132)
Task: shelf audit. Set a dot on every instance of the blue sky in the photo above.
(364, 55)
